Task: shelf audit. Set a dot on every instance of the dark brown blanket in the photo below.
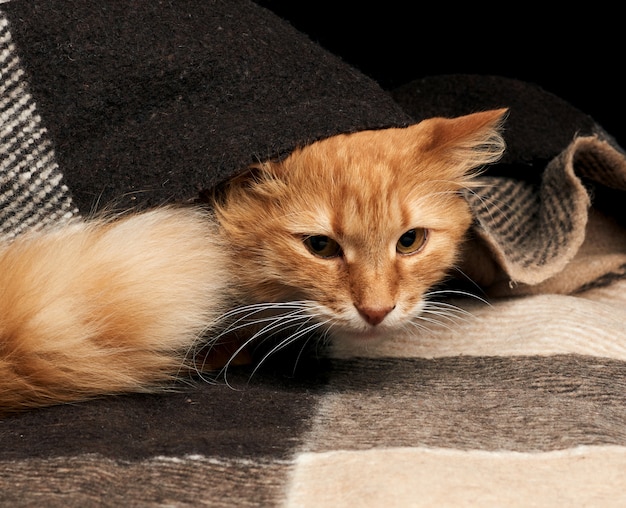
(134, 104)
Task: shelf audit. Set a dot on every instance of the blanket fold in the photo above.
(535, 232)
(532, 209)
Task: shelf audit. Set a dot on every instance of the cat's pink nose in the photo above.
(374, 315)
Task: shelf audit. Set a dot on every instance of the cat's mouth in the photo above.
(366, 327)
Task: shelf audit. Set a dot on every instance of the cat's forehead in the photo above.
(366, 181)
(366, 163)
(361, 209)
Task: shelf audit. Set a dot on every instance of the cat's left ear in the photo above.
(468, 141)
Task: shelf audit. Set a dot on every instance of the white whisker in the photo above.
(288, 341)
(444, 314)
(299, 319)
(448, 315)
(437, 322)
(457, 292)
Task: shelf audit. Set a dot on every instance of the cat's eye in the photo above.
(412, 241)
(322, 246)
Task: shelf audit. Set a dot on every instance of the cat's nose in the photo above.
(374, 315)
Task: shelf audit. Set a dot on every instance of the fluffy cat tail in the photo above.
(105, 306)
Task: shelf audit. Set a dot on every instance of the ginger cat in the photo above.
(345, 236)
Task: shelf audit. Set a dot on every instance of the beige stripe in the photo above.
(535, 325)
(420, 477)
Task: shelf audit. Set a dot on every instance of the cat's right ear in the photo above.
(219, 193)
(261, 170)
(246, 180)
(248, 176)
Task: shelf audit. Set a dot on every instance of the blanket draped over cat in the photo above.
(180, 96)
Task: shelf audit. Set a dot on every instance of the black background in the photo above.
(574, 53)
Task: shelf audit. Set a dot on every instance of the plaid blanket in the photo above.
(521, 400)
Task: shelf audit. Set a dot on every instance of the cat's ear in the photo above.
(251, 175)
(258, 178)
(467, 142)
(235, 185)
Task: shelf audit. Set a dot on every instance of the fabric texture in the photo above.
(532, 208)
(148, 102)
(32, 193)
(134, 104)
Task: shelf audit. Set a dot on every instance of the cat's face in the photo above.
(359, 226)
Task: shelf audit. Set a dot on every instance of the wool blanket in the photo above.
(520, 400)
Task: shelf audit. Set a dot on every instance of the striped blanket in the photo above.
(521, 403)
(519, 400)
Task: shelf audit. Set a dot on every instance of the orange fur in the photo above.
(105, 306)
(111, 306)
(363, 190)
